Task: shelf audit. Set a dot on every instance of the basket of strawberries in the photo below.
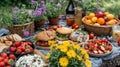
(100, 23)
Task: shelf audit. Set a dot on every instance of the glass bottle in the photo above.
(70, 11)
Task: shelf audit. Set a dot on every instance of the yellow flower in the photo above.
(63, 61)
(76, 46)
(83, 51)
(47, 55)
(51, 42)
(79, 58)
(86, 56)
(71, 53)
(62, 48)
(66, 43)
(53, 46)
(88, 63)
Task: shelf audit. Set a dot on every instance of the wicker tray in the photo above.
(19, 28)
(98, 30)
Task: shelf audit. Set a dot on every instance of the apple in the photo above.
(100, 14)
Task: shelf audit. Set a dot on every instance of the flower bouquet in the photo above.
(67, 54)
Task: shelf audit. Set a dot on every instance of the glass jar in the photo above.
(69, 20)
(78, 16)
(116, 32)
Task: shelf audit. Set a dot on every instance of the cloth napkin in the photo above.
(4, 32)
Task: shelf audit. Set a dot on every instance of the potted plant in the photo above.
(39, 13)
(67, 54)
(53, 9)
(19, 21)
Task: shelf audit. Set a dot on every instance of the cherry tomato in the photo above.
(59, 26)
(118, 42)
(91, 36)
(75, 26)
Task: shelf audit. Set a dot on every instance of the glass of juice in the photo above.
(116, 32)
(70, 20)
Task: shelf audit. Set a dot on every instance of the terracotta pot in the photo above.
(39, 24)
(53, 21)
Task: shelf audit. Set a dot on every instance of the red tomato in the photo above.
(75, 26)
(91, 36)
(118, 42)
(4, 54)
(2, 64)
(59, 26)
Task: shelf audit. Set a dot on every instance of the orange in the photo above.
(94, 19)
(101, 21)
(91, 15)
(110, 16)
(106, 13)
(88, 21)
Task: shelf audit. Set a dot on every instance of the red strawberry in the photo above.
(29, 43)
(27, 50)
(23, 48)
(19, 51)
(12, 56)
(2, 64)
(20, 47)
(1, 59)
(12, 49)
(31, 49)
(11, 61)
(5, 60)
(17, 44)
(100, 52)
(102, 48)
(109, 47)
(95, 51)
(3, 54)
(28, 46)
(8, 66)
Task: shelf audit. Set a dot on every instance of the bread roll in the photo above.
(64, 30)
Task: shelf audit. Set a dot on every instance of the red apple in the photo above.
(100, 14)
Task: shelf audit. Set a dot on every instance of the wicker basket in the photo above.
(19, 28)
(98, 30)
